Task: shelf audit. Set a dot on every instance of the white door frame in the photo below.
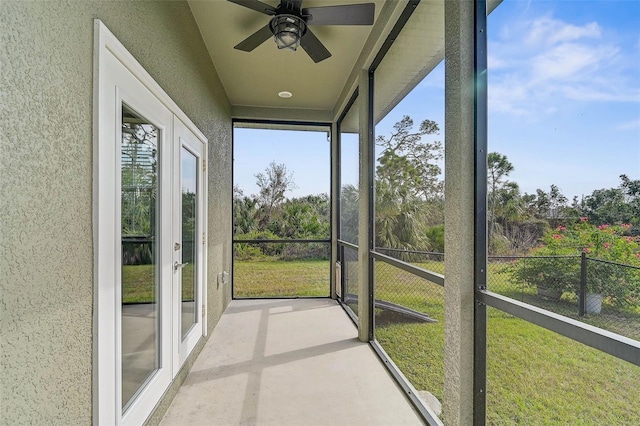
(119, 77)
(183, 137)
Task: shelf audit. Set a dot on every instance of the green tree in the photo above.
(436, 238)
(552, 204)
(400, 219)
(138, 191)
(499, 188)
(615, 205)
(138, 179)
(509, 204)
(349, 202)
(189, 213)
(410, 162)
(306, 217)
(273, 184)
(244, 212)
(631, 190)
(408, 185)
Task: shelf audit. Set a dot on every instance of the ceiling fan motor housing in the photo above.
(289, 24)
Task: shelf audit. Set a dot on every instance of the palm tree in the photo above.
(498, 168)
(400, 218)
(349, 203)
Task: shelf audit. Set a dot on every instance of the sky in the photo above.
(564, 92)
(306, 154)
(564, 102)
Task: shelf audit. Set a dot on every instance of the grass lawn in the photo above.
(534, 376)
(138, 283)
(290, 278)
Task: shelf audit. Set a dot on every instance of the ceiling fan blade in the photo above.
(314, 47)
(256, 5)
(255, 39)
(348, 14)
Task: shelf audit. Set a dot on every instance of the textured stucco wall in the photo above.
(365, 194)
(46, 246)
(459, 213)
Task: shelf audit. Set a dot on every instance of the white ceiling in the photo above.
(253, 79)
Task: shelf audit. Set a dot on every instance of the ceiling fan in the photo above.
(289, 25)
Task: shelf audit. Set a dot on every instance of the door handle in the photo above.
(177, 265)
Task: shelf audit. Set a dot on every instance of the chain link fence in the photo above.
(433, 261)
(598, 292)
(612, 296)
(350, 273)
(528, 279)
(409, 321)
(409, 315)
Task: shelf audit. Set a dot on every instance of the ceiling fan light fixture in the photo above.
(287, 31)
(289, 24)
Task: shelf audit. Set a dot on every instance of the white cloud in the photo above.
(534, 65)
(569, 60)
(495, 62)
(629, 125)
(600, 91)
(549, 31)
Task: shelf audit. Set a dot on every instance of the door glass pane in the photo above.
(140, 273)
(189, 256)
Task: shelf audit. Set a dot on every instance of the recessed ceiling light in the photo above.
(285, 94)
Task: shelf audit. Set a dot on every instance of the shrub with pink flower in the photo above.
(604, 242)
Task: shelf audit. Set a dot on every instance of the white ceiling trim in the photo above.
(281, 114)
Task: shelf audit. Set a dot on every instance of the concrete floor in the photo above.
(288, 362)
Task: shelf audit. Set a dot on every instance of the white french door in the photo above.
(143, 296)
(161, 229)
(188, 230)
(149, 227)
